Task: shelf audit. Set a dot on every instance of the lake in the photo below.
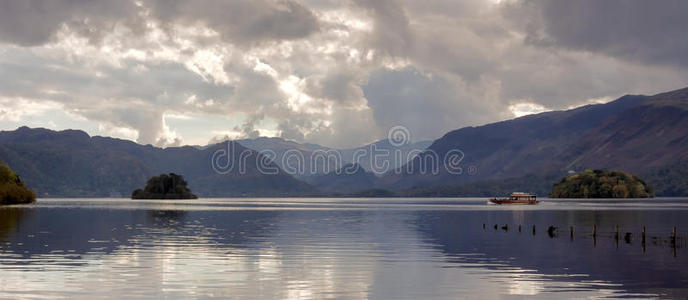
(306, 248)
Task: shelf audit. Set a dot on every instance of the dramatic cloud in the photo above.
(35, 22)
(646, 31)
(240, 21)
(437, 105)
(339, 73)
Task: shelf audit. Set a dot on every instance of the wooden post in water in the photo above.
(552, 231)
(483, 226)
(628, 237)
(495, 227)
(616, 236)
(642, 243)
(673, 240)
(594, 235)
(571, 235)
(533, 229)
(519, 227)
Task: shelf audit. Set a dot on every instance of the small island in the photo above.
(164, 186)
(12, 189)
(601, 184)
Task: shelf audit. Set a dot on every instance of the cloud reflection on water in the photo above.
(123, 249)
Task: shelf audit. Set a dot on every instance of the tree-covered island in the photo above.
(164, 186)
(12, 189)
(601, 184)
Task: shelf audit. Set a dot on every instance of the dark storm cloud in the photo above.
(646, 31)
(342, 86)
(392, 33)
(241, 21)
(424, 103)
(35, 22)
(442, 35)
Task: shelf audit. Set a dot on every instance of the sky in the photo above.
(335, 73)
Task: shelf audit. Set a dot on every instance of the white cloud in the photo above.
(526, 108)
(16, 109)
(114, 131)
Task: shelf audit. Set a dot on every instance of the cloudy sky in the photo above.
(337, 73)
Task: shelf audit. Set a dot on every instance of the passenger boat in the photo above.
(516, 198)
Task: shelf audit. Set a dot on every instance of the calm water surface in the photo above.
(341, 248)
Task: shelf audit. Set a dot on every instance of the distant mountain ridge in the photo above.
(70, 163)
(634, 133)
(306, 159)
(349, 179)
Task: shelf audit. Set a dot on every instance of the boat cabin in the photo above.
(516, 198)
(522, 196)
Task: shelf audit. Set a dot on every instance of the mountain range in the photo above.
(644, 135)
(70, 163)
(308, 160)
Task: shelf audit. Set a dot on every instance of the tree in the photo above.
(601, 184)
(12, 188)
(164, 186)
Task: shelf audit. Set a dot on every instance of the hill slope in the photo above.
(72, 164)
(350, 178)
(304, 160)
(633, 133)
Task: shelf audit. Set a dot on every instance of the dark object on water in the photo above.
(505, 227)
(165, 186)
(516, 198)
(627, 237)
(552, 231)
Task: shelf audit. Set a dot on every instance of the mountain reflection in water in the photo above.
(339, 248)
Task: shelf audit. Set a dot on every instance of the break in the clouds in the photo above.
(338, 73)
